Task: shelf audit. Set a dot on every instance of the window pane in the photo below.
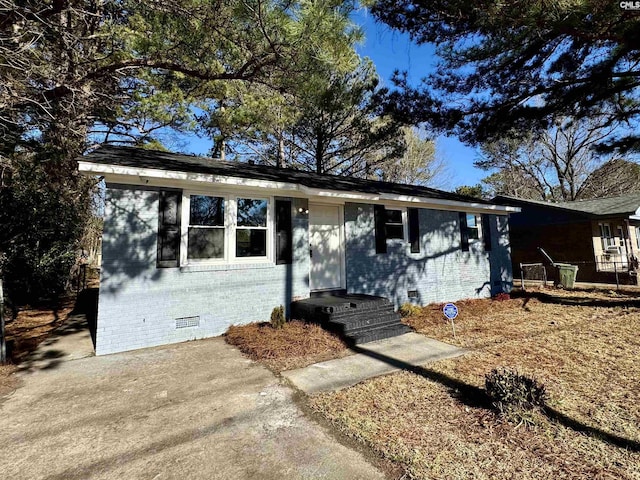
(394, 231)
(205, 210)
(471, 221)
(474, 233)
(252, 213)
(394, 216)
(206, 243)
(251, 243)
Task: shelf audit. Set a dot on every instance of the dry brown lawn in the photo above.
(583, 345)
(296, 345)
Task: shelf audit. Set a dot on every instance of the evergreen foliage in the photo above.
(517, 66)
(277, 317)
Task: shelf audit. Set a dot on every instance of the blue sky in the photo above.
(391, 50)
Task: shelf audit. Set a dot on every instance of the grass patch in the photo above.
(582, 345)
(296, 344)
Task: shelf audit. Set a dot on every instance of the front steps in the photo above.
(356, 318)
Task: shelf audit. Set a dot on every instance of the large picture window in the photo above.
(251, 231)
(226, 228)
(206, 227)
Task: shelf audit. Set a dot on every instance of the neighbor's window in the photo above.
(474, 223)
(606, 238)
(206, 229)
(251, 231)
(393, 224)
(620, 236)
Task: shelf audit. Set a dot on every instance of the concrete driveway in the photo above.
(193, 410)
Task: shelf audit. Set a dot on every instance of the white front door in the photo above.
(325, 238)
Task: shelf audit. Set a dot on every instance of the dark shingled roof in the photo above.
(621, 205)
(137, 157)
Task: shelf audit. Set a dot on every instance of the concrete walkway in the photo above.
(70, 341)
(373, 359)
(197, 410)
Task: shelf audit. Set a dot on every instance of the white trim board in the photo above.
(186, 180)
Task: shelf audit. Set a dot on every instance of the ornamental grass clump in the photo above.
(277, 317)
(409, 310)
(514, 395)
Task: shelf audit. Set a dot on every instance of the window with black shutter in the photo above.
(486, 232)
(284, 250)
(464, 232)
(380, 219)
(414, 229)
(169, 229)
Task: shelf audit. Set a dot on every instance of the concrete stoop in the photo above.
(356, 318)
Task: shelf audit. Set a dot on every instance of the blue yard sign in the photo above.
(450, 311)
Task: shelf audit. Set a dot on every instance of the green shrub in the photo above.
(43, 213)
(511, 392)
(277, 317)
(409, 309)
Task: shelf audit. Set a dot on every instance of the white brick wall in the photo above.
(441, 272)
(139, 303)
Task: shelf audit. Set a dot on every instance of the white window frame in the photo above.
(230, 228)
(478, 227)
(268, 230)
(606, 241)
(405, 234)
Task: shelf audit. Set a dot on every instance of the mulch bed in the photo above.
(295, 345)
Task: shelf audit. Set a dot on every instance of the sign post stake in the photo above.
(451, 311)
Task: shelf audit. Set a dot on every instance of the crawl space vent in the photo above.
(187, 322)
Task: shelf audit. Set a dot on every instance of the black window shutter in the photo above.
(169, 229)
(380, 218)
(414, 229)
(464, 232)
(284, 251)
(486, 232)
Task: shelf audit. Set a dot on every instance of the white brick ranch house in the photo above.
(192, 245)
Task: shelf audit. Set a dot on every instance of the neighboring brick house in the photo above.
(601, 236)
(193, 245)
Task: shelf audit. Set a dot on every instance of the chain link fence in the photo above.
(604, 270)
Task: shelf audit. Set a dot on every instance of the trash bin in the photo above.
(566, 275)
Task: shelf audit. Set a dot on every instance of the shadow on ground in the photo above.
(477, 397)
(624, 301)
(69, 340)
